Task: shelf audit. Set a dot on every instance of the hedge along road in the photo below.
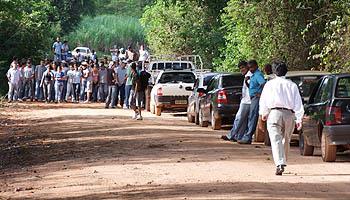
(86, 152)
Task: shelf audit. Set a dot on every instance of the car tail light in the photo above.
(160, 92)
(222, 97)
(333, 116)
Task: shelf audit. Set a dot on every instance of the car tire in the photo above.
(202, 123)
(158, 110)
(304, 147)
(190, 118)
(329, 152)
(215, 123)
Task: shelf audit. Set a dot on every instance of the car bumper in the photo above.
(226, 111)
(338, 135)
(172, 101)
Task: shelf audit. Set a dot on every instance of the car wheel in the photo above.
(202, 123)
(190, 118)
(158, 110)
(304, 147)
(329, 152)
(215, 123)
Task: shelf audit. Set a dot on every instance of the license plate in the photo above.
(180, 101)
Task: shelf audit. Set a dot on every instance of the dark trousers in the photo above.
(120, 92)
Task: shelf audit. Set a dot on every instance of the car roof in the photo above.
(82, 48)
(230, 74)
(306, 73)
(170, 61)
(340, 75)
(208, 74)
(176, 71)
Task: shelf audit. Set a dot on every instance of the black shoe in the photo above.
(243, 142)
(280, 170)
(224, 137)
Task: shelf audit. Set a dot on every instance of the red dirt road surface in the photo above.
(86, 152)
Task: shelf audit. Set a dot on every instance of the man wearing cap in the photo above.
(282, 107)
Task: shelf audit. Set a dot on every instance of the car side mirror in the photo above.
(189, 88)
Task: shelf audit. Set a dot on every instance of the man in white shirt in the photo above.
(39, 71)
(29, 74)
(144, 55)
(121, 79)
(57, 50)
(65, 49)
(241, 120)
(13, 76)
(282, 107)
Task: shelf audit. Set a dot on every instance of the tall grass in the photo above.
(105, 31)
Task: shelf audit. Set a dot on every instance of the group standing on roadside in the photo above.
(118, 81)
(278, 102)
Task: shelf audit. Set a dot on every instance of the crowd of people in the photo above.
(121, 80)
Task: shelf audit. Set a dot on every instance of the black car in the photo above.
(326, 121)
(220, 101)
(193, 100)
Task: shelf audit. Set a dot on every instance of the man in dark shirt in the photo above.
(111, 83)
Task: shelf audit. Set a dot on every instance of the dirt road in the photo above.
(86, 152)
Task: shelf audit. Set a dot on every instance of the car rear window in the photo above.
(306, 84)
(175, 77)
(343, 88)
(229, 81)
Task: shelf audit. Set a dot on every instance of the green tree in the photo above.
(183, 27)
(68, 13)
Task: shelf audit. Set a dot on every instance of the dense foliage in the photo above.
(306, 34)
(105, 31)
(183, 27)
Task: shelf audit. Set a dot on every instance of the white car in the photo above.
(170, 91)
(84, 51)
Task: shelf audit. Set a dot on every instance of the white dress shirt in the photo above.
(245, 90)
(14, 75)
(281, 93)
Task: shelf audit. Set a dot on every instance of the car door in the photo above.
(206, 103)
(192, 98)
(315, 111)
(212, 95)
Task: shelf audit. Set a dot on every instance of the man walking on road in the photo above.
(256, 85)
(280, 104)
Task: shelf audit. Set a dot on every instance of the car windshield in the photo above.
(229, 81)
(343, 88)
(175, 77)
(305, 84)
(82, 50)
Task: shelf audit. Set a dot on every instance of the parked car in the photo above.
(170, 90)
(220, 101)
(193, 100)
(84, 51)
(326, 121)
(306, 81)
